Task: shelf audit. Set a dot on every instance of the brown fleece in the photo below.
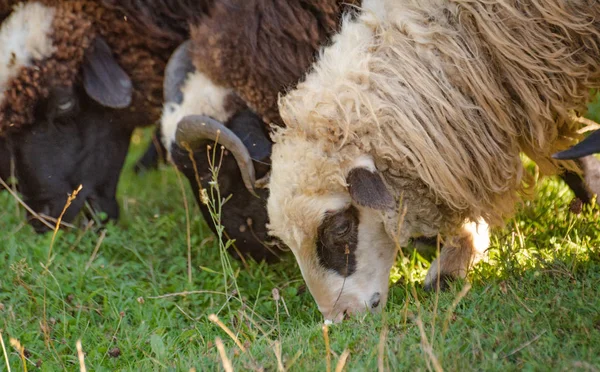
(263, 47)
(71, 36)
(165, 21)
(76, 23)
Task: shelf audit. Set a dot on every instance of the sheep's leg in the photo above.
(587, 186)
(458, 255)
(591, 172)
(154, 155)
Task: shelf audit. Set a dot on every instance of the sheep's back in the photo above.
(262, 47)
(450, 93)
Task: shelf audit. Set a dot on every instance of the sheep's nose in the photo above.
(338, 318)
(375, 301)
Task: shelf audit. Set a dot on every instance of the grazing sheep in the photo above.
(238, 59)
(411, 124)
(77, 77)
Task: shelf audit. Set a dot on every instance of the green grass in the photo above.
(535, 305)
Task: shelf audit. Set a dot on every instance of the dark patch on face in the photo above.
(337, 240)
(242, 206)
(74, 140)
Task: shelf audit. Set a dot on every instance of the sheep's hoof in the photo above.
(442, 284)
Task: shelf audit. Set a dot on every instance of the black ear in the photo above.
(368, 190)
(589, 146)
(103, 79)
(252, 131)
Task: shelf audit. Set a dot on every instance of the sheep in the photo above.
(77, 77)
(228, 75)
(411, 123)
(244, 217)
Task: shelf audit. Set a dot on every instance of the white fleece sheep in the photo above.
(441, 96)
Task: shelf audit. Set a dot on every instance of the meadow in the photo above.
(157, 291)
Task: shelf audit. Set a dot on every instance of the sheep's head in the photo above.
(330, 212)
(62, 95)
(197, 115)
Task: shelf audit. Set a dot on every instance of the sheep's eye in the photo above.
(62, 102)
(344, 228)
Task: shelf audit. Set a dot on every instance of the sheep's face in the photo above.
(336, 231)
(73, 141)
(188, 93)
(244, 216)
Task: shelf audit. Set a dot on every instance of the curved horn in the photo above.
(176, 72)
(589, 146)
(194, 128)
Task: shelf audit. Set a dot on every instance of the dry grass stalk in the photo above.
(80, 356)
(70, 199)
(525, 344)
(186, 293)
(589, 124)
(21, 350)
(342, 361)
(226, 362)
(327, 349)
(20, 201)
(213, 318)
(427, 347)
(277, 350)
(4, 352)
(381, 349)
(463, 292)
(96, 249)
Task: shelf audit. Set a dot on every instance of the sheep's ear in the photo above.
(367, 188)
(103, 79)
(250, 128)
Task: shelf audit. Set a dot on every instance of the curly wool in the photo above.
(71, 36)
(261, 48)
(448, 93)
(75, 25)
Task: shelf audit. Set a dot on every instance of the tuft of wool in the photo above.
(261, 48)
(446, 94)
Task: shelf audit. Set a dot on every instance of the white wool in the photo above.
(364, 161)
(200, 97)
(25, 38)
